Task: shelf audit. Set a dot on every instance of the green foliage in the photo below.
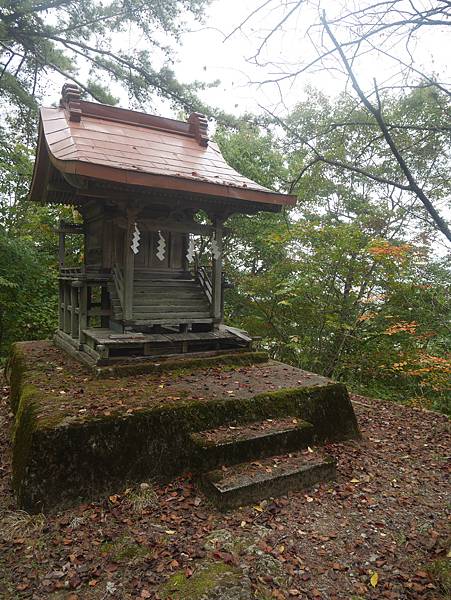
(81, 41)
(346, 285)
(28, 290)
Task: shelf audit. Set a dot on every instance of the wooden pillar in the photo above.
(104, 305)
(73, 312)
(61, 246)
(217, 276)
(129, 270)
(61, 314)
(83, 312)
(66, 285)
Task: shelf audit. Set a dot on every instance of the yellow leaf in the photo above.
(374, 579)
(259, 508)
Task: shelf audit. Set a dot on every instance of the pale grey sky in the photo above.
(206, 56)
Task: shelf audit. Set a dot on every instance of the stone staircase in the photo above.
(249, 462)
(162, 299)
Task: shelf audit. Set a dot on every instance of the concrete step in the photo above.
(250, 482)
(230, 444)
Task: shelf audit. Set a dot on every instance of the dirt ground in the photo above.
(379, 531)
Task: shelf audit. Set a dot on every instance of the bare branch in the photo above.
(377, 114)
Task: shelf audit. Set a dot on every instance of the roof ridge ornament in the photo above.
(199, 127)
(70, 99)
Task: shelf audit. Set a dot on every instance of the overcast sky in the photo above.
(207, 56)
(209, 52)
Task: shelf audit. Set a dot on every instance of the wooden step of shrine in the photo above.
(155, 283)
(146, 274)
(170, 292)
(164, 301)
(232, 444)
(152, 301)
(170, 320)
(159, 307)
(149, 317)
(253, 481)
(170, 317)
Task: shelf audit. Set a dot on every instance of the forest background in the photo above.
(353, 283)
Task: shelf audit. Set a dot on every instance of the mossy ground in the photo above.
(440, 569)
(124, 549)
(202, 582)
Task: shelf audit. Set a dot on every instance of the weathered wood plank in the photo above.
(129, 265)
(73, 312)
(83, 312)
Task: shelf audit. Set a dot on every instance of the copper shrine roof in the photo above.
(114, 144)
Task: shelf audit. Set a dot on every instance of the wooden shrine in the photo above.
(138, 181)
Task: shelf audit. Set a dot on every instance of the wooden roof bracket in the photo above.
(70, 100)
(199, 128)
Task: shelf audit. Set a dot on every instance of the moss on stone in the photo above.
(15, 370)
(81, 459)
(24, 427)
(203, 581)
(61, 455)
(440, 570)
(182, 366)
(124, 549)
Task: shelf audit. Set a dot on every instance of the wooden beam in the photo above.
(146, 224)
(160, 197)
(66, 227)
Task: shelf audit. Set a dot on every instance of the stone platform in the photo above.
(79, 434)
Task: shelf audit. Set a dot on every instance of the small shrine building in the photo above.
(138, 180)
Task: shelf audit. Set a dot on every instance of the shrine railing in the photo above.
(118, 279)
(205, 282)
(84, 273)
(71, 272)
